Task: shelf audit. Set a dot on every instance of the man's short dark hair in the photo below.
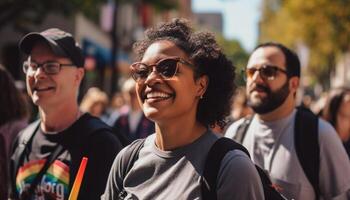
(292, 59)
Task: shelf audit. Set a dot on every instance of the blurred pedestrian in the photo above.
(184, 84)
(48, 153)
(240, 106)
(337, 112)
(13, 118)
(273, 134)
(118, 105)
(95, 102)
(134, 123)
(239, 110)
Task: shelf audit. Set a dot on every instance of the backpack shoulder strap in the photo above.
(28, 132)
(242, 129)
(131, 154)
(22, 140)
(129, 157)
(28, 193)
(212, 165)
(18, 150)
(307, 146)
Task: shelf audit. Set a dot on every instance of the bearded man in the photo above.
(273, 74)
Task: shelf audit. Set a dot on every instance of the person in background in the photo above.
(13, 118)
(240, 107)
(184, 83)
(134, 123)
(239, 110)
(273, 75)
(63, 135)
(117, 106)
(306, 101)
(318, 105)
(337, 112)
(95, 102)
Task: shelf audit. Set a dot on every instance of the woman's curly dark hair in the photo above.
(209, 60)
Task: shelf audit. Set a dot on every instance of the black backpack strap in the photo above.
(270, 192)
(307, 146)
(242, 129)
(212, 165)
(52, 157)
(130, 155)
(19, 150)
(23, 139)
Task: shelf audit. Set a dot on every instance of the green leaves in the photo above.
(237, 55)
(24, 13)
(322, 25)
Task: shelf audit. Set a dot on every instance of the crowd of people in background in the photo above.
(14, 116)
(188, 73)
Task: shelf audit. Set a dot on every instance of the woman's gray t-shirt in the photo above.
(176, 174)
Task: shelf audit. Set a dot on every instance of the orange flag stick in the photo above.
(78, 179)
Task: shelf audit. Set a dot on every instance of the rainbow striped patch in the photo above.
(54, 183)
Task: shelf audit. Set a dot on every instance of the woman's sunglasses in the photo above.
(166, 68)
(267, 72)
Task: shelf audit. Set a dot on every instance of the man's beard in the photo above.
(272, 101)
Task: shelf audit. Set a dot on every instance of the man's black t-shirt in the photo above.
(100, 147)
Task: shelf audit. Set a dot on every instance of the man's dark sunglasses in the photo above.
(267, 72)
(166, 68)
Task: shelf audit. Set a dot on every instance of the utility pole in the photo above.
(114, 50)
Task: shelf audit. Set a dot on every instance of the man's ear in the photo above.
(202, 83)
(294, 83)
(79, 75)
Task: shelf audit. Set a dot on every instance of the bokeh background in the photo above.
(318, 30)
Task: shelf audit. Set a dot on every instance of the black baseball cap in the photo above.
(60, 42)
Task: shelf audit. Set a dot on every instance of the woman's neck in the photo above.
(177, 135)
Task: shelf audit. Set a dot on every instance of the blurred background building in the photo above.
(211, 21)
(106, 30)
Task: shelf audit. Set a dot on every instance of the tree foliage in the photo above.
(23, 13)
(235, 52)
(322, 25)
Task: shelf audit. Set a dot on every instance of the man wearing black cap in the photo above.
(47, 154)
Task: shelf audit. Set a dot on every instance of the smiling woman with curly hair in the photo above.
(208, 59)
(184, 84)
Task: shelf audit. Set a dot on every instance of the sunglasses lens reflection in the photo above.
(166, 68)
(264, 72)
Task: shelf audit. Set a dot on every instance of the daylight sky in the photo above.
(240, 18)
